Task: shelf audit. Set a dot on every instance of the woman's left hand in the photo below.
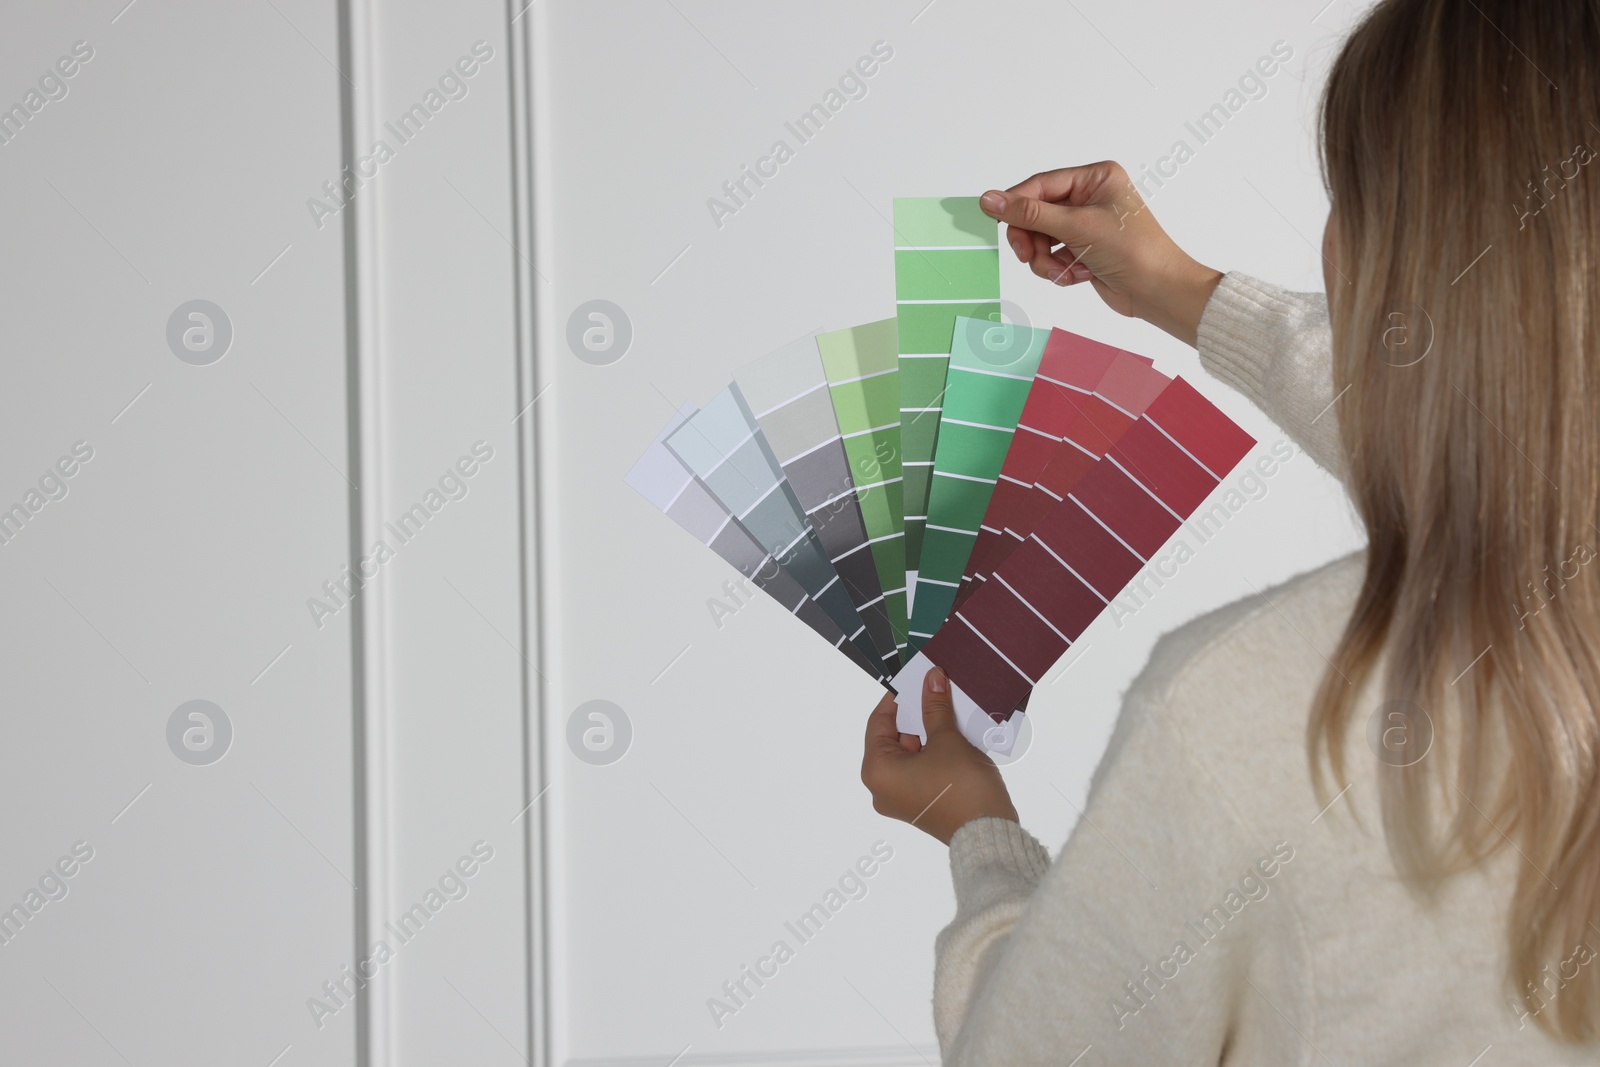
(937, 787)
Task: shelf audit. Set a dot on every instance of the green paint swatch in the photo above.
(992, 367)
(863, 373)
(946, 264)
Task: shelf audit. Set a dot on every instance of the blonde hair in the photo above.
(1455, 146)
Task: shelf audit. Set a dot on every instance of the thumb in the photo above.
(938, 711)
(1069, 225)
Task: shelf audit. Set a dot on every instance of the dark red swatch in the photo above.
(1084, 549)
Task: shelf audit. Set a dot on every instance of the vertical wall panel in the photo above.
(178, 564)
(737, 804)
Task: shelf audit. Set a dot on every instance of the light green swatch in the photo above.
(863, 373)
(946, 264)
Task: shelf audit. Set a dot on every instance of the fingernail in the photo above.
(937, 682)
(1016, 244)
(992, 202)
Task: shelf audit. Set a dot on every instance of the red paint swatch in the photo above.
(1121, 386)
(1085, 548)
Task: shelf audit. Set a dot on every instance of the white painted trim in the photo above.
(373, 818)
(536, 341)
(387, 855)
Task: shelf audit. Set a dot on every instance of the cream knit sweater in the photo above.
(1206, 908)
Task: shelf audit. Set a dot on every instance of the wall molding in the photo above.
(383, 738)
(372, 819)
(532, 379)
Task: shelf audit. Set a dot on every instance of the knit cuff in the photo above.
(992, 858)
(1241, 331)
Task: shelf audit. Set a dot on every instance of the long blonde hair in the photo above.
(1455, 146)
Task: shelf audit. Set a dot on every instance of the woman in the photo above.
(1355, 819)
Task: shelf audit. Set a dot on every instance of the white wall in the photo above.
(219, 498)
(178, 564)
(739, 804)
(577, 167)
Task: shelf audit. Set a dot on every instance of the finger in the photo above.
(1070, 268)
(1066, 224)
(1075, 273)
(1039, 254)
(1026, 244)
(938, 713)
(1052, 267)
(1076, 185)
(1043, 243)
(1021, 242)
(911, 743)
(882, 733)
(1045, 266)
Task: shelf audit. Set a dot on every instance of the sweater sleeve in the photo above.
(1107, 946)
(1275, 347)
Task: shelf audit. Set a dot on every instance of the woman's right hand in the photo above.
(1090, 224)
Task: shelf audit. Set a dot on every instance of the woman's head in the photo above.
(1459, 146)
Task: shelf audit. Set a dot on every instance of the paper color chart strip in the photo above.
(724, 447)
(942, 487)
(1068, 372)
(1093, 421)
(1084, 551)
(788, 391)
(1125, 392)
(946, 263)
(991, 373)
(863, 373)
(663, 480)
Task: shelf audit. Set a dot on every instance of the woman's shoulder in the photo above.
(1271, 631)
(1234, 686)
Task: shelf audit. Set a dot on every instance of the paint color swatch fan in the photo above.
(941, 488)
